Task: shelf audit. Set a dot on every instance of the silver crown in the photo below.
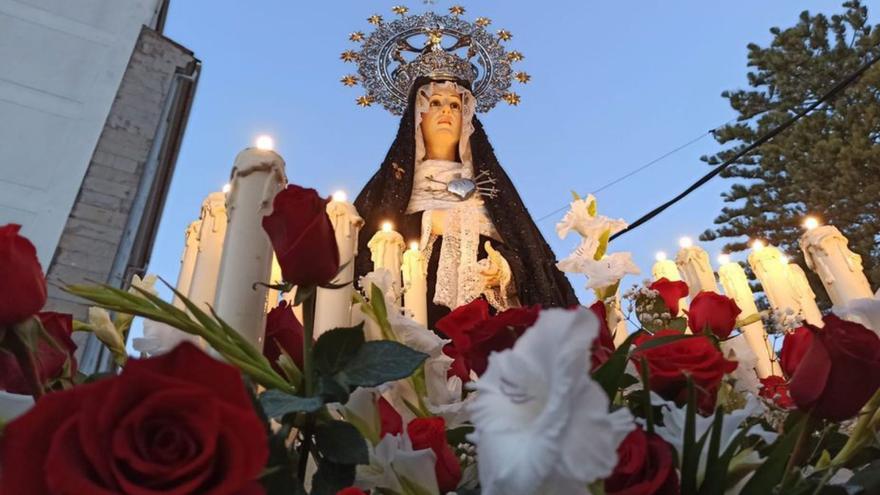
(440, 47)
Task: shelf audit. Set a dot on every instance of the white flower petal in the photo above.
(105, 330)
(865, 311)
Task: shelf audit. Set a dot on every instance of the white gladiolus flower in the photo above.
(865, 311)
(394, 465)
(105, 330)
(541, 423)
(602, 273)
(674, 421)
(578, 218)
(160, 338)
(148, 283)
(737, 349)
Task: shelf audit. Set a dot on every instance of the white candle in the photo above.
(771, 269)
(827, 253)
(415, 283)
(736, 286)
(665, 268)
(212, 231)
(275, 278)
(333, 308)
(693, 264)
(187, 261)
(804, 294)
(617, 322)
(257, 176)
(386, 248)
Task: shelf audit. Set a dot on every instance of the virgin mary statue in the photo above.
(440, 183)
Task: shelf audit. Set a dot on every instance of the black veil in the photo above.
(386, 197)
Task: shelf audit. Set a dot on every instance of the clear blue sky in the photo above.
(615, 85)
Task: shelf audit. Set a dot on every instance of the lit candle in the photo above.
(386, 249)
(275, 278)
(693, 264)
(736, 286)
(333, 307)
(771, 268)
(827, 253)
(415, 283)
(804, 293)
(257, 176)
(666, 268)
(212, 231)
(187, 261)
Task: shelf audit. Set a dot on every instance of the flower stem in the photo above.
(26, 362)
(861, 433)
(309, 332)
(800, 448)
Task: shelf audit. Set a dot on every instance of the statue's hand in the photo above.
(495, 270)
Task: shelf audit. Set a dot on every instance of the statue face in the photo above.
(441, 124)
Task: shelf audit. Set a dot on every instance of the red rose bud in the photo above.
(839, 372)
(430, 433)
(303, 237)
(645, 466)
(671, 293)
(390, 421)
(794, 347)
(49, 360)
(714, 312)
(22, 284)
(776, 389)
(178, 424)
(283, 332)
(670, 364)
(475, 334)
(603, 346)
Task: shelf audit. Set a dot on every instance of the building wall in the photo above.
(61, 64)
(105, 223)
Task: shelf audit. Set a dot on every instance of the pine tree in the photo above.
(828, 164)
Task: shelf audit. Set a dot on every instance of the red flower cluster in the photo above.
(671, 293)
(22, 285)
(775, 388)
(303, 237)
(713, 312)
(475, 334)
(839, 371)
(645, 466)
(175, 424)
(670, 364)
(283, 332)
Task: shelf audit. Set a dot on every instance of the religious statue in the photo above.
(440, 184)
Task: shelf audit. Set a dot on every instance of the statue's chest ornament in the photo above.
(463, 189)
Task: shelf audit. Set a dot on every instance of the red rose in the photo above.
(430, 433)
(670, 364)
(283, 332)
(179, 423)
(603, 346)
(794, 347)
(775, 388)
(475, 334)
(50, 362)
(303, 237)
(351, 491)
(645, 466)
(714, 312)
(22, 284)
(671, 293)
(390, 421)
(839, 372)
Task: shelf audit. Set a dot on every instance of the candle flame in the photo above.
(723, 258)
(660, 256)
(227, 187)
(414, 246)
(685, 242)
(340, 196)
(386, 227)
(265, 142)
(811, 223)
(758, 245)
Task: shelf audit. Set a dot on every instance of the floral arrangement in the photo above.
(526, 401)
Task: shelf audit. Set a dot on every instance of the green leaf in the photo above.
(277, 404)
(610, 374)
(335, 348)
(748, 320)
(690, 457)
(377, 301)
(331, 477)
(716, 471)
(378, 362)
(330, 390)
(342, 443)
(771, 472)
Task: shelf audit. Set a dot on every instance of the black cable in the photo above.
(748, 149)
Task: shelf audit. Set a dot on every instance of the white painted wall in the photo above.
(61, 63)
